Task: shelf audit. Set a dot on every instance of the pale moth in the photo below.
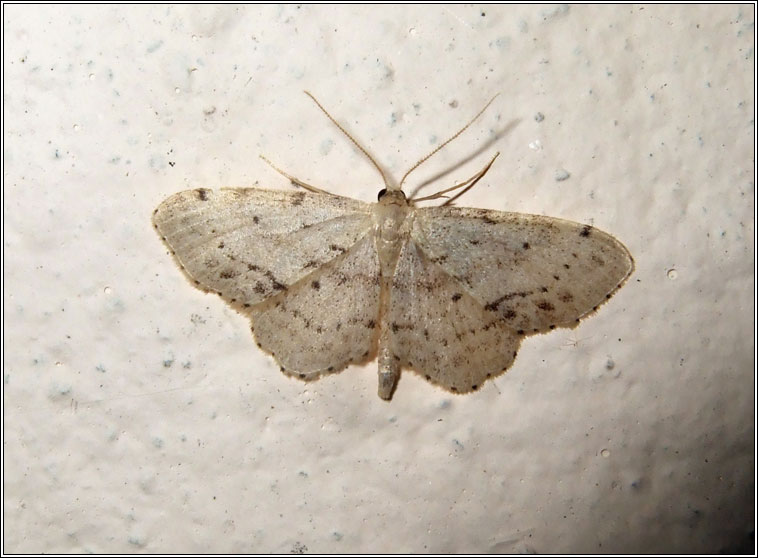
(329, 281)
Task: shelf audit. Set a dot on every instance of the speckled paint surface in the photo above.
(139, 416)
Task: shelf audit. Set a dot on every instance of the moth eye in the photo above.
(381, 193)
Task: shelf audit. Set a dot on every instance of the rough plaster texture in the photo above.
(139, 414)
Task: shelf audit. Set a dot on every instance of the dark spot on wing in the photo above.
(520, 332)
(509, 314)
(566, 297)
(316, 285)
(253, 267)
(371, 324)
(598, 260)
(202, 194)
(336, 248)
(456, 297)
(585, 231)
(275, 284)
(228, 274)
(474, 242)
(297, 198)
(556, 277)
(525, 246)
(567, 266)
(221, 245)
(492, 306)
(312, 263)
(546, 306)
(255, 219)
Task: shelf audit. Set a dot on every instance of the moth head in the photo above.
(395, 197)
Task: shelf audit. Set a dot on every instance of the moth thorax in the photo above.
(389, 219)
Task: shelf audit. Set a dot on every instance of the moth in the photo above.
(448, 292)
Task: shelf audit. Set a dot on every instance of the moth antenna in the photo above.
(458, 133)
(351, 138)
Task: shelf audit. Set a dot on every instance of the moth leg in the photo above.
(466, 184)
(296, 181)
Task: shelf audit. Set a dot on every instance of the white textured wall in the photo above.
(139, 414)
